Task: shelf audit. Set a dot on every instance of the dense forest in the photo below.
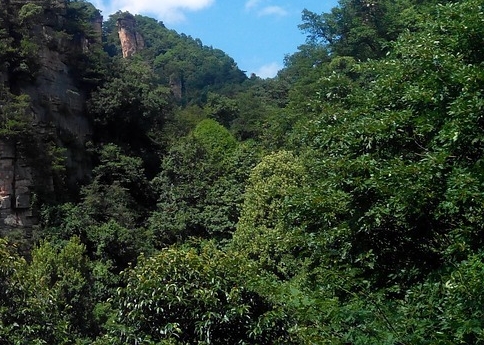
(341, 202)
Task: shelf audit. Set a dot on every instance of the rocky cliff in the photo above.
(15, 190)
(131, 40)
(57, 108)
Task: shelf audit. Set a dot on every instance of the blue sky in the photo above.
(257, 34)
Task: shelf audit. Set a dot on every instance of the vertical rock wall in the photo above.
(15, 190)
(176, 86)
(57, 104)
(131, 40)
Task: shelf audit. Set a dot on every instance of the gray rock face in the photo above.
(57, 105)
(15, 190)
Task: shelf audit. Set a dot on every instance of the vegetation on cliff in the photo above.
(338, 203)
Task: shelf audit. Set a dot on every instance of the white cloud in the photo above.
(272, 10)
(251, 4)
(169, 11)
(269, 70)
(258, 7)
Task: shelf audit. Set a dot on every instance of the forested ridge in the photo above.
(341, 202)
